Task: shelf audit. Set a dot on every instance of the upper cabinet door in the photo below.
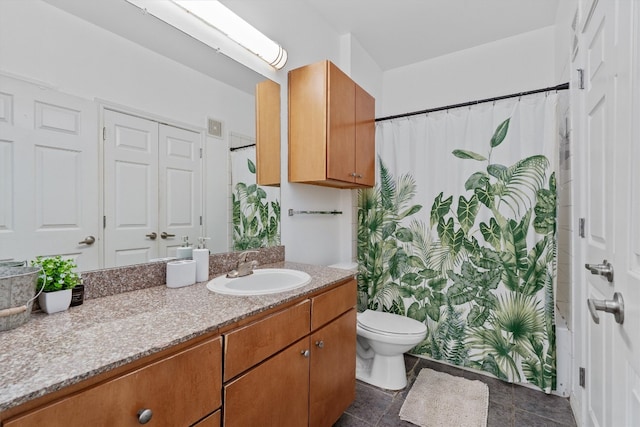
(308, 123)
(341, 153)
(325, 147)
(365, 138)
(268, 133)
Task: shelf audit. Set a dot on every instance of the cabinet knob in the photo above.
(305, 353)
(144, 416)
(320, 344)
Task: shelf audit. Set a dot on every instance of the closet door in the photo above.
(130, 189)
(48, 174)
(180, 209)
(153, 188)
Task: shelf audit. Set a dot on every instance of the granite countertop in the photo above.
(53, 351)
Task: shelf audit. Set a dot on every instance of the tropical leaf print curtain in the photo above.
(459, 233)
(256, 210)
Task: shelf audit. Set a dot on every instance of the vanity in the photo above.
(187, 356)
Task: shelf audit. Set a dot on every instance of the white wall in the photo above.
(43, 43)
(564, 38)
(511, 65)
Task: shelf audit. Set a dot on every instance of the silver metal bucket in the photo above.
(17, 289)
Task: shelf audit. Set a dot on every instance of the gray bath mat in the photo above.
(437, 399)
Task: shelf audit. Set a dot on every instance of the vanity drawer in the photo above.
(329, 305)
(179, 390)
(247, 346)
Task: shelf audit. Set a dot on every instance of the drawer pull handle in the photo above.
(320, 344)
(305, 353)
(144, 416)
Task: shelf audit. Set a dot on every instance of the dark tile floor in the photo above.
(509, 405)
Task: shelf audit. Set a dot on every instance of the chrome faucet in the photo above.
(244, 267)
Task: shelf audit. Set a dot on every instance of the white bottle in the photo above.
(201, 256)
(185, 251)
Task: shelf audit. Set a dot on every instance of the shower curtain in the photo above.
(459, 233)
(256, 210)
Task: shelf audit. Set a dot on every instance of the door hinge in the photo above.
(200, 219)
(582, 377)
(104, 133)
(581, 222)
(104, 221)
(580, 78)
(201, 153)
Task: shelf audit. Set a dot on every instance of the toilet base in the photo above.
(386, 372)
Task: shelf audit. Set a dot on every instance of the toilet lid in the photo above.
(389, 323)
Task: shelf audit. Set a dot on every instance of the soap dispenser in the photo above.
(201, 256)
(184, 251)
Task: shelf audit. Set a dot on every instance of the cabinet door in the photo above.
(178, 390)
(212, 420)
(341, 154)
(365, 138)
(332, 384)
(268, 133)
(308, 123)
(275, 393)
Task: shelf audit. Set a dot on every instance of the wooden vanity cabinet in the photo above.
(180, 389)
(310, 382)
(331, 128)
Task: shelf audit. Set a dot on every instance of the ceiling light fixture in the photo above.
(205, 20)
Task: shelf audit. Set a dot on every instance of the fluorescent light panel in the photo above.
(217, 17)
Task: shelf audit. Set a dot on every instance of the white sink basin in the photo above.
(261, 282)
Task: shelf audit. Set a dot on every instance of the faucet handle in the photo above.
(243, 255)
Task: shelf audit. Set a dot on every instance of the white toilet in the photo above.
(383, 338)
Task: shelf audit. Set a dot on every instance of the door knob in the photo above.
(305, 353)
(614, 306)
(164, 235)
(320, 344)
(152, 236)
(605, 269)
(89, 240)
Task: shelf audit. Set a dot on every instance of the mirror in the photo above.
(102, 58)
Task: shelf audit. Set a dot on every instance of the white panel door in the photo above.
(180, 188)
(49, 175)
(153, 193)
(130, 189)
(607, 196)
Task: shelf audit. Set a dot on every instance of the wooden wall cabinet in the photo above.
(180, 390)
(268, 133)
(331, 128)
(309, 381)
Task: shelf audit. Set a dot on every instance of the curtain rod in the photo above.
(241, 147)
(562, 86)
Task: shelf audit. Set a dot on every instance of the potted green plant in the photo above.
(57, 278)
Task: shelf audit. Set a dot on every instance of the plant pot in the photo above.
(53, 302)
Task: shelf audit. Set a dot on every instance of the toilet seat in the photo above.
(390, 324)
